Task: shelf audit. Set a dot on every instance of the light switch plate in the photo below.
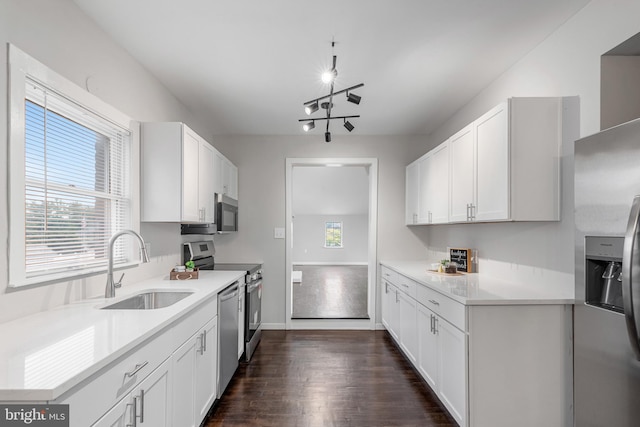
(278, 233)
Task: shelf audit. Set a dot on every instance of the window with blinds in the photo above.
(76, 187)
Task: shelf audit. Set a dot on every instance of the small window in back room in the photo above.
(332, 234)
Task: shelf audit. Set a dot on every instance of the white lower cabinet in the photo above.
(427, 347)
(149, 403)
(408, 326)
(206, 378)
(194, 367)
(499, 365)
(452, 362)
(391, 309)
(442, 361)
(170, 380)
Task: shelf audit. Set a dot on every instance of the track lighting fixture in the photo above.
(348, 125)
(314, 105)
(311, 108)
(351, 97)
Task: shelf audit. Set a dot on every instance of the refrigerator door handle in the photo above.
(630, 279)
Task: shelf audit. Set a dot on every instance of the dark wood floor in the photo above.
(328, 378)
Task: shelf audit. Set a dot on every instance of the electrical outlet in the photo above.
(278, 233)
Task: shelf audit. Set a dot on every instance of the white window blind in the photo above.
(77, 167)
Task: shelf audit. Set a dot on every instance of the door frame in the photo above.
(372, 255)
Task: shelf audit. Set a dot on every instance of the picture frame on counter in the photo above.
(463, 257)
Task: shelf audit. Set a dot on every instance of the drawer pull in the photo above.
(136, 369)
(406, 286)
(434, 302)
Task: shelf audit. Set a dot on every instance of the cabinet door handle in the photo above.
(135, 408)
(136, 369)
(204, 334)
(415, 218)
(434, 302)
(397, 300)
(431, 321)
(435, 325)
(132, 415)
(201, 349)
(141, 406)
(473, 212)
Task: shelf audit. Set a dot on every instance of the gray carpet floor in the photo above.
(330, 292)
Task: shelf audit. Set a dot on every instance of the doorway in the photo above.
(331, 211)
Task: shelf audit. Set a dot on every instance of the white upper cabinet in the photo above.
(424, 210)
(492, 165)
(226, 176)
(206, 182)
(177, 174)
(462, 183)
(427, 188)
(438, 193)
(412, 192)
(504, 166)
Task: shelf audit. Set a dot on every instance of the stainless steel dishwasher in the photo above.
(228, 333)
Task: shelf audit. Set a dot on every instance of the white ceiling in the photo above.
(321, 190)
(247, 66)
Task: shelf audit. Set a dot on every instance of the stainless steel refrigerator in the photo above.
(607, 309)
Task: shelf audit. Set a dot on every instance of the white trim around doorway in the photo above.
(372, 164)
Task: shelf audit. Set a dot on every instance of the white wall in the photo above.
(566, 63)
(58, 34)
(308, 240)
(261, 163)
(620, 90)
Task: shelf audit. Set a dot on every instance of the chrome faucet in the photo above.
(110, 290)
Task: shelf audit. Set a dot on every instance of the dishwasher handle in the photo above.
(229, 293)
(253, 286)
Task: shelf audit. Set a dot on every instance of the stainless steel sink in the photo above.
(149, 300)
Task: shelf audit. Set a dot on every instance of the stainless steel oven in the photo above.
(253, 324)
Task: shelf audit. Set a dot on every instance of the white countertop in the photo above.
(46, 354)
(479, 289)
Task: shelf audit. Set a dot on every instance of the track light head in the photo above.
(308, 126)
(311, 108)
(329, 76)
(351, 97)
(348, 125)
(327, 137)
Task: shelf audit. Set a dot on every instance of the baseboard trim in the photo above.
(273, 326)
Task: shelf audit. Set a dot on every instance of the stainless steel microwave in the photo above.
(226, 214)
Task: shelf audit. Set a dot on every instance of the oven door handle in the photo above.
(253, 286)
